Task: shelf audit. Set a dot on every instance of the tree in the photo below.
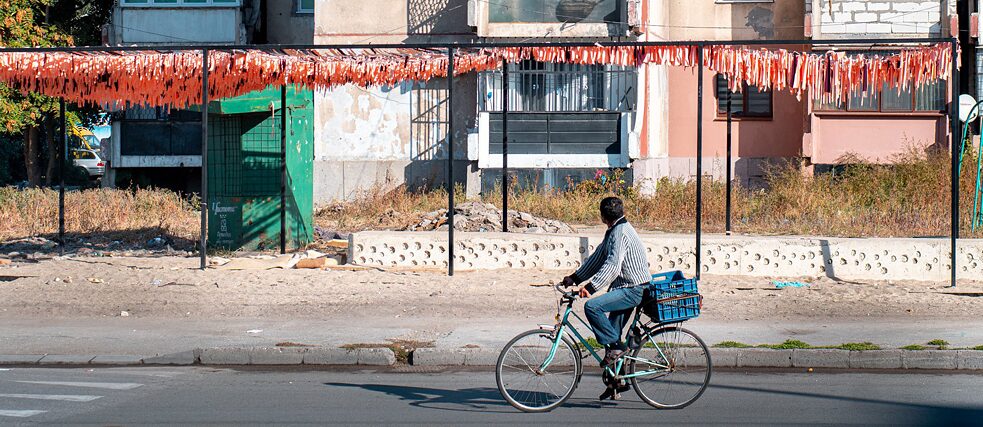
(43, 23)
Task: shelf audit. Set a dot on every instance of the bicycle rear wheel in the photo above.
(674, 367)
(521, 381)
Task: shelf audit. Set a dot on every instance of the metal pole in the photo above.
(730, 181)
(867, 42)
(283, 169)
(61, 175)
(204, 158)
(450, 161)
(954, 152)
(699, 157)
(505, 146)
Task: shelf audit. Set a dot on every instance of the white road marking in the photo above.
(19, 414)
(61, 397)
(110, 386)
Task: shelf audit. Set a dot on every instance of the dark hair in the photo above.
(612, 208)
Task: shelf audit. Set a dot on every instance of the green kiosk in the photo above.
(246, 168)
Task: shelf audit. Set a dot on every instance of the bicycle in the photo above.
(539, 369)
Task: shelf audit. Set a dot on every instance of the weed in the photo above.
(858, 346)
(979, 347)
(401, 348)
(914, 347)
(787, 345)
(731, 344)
(938, 343)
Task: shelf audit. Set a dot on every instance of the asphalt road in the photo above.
(198, 396)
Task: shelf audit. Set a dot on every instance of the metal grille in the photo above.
(261, 159)
(224, 156)
(428, 119)
(244, 155)
(542, 87)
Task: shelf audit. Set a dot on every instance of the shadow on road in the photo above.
(481, 399)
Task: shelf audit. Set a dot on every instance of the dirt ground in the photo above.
(173, 287)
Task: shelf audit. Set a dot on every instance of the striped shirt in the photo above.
(619, 261)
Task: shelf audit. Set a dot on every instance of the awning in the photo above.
(156, 78)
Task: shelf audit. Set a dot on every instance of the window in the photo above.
(305, 6)
(751, 102)
(173, 3)
(84, 155)
(554, 11)
(928, 97)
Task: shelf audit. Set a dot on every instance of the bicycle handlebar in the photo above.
(566, 294)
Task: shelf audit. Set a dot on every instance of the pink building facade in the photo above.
(769, 127)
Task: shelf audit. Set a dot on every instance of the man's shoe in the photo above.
(610, 356)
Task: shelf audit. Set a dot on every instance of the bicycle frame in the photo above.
(564, 324)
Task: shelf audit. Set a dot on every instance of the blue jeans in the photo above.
(619, 303)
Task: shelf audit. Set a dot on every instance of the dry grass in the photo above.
(128, 216)
(381, 210)
(907, 198)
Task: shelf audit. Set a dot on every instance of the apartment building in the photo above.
(567, 121)
(159, 146)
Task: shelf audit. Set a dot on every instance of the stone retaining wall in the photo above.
(848, 259)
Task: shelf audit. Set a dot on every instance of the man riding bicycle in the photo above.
(619, 263)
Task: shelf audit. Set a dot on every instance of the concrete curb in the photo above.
(759, 358)
(487, 357)
(221, 356)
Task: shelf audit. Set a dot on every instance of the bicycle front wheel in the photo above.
(672, 368)
(523, 381)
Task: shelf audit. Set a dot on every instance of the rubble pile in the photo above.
(475, 216)
(42, 248)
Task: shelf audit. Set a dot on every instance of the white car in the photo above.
(90, 161)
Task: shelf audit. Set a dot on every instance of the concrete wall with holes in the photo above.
(844, 259)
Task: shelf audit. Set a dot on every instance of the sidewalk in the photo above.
(165, 310)
(471, 342)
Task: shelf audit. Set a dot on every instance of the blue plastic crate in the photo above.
(683, 297)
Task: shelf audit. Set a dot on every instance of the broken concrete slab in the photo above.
(20, 359)
(183, 358)
(376, 356)
(66, 359)
(117, 360)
